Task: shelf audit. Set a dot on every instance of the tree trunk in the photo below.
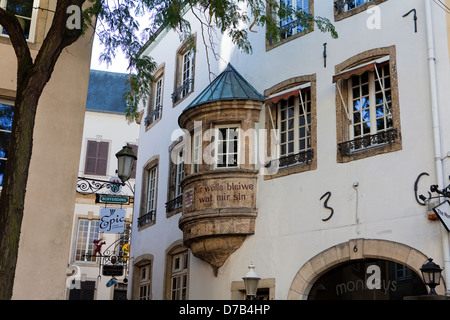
(31, 80)
(13, 193)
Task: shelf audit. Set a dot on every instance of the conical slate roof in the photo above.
(229, 85)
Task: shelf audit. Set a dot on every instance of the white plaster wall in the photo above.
(289, 227)
(115, 129)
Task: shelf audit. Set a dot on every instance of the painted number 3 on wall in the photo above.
(325, 205)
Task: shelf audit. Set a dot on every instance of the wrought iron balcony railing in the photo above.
(184, 89)
(304, 157)
(376, 140)
(174, 203)
(153, 116)
(146, 218)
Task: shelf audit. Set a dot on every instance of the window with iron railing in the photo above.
(176, 175)
(367, 105)
(370, 110)
(148, 206)
(156, 99)
(185, 70)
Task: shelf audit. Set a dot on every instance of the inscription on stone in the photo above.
(223, 192)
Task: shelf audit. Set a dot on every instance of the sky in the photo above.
(119, 64)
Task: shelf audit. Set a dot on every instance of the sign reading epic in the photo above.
(112, 220)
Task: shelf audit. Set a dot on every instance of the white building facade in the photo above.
(322, 204)
(98, 256)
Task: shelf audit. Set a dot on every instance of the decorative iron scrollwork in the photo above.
(153, 116)
(115, 257)
(174, 203)
(184, 87)
(88, 186)
(304, 157)
(379, 139)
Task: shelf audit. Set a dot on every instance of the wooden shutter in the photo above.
(96, 158)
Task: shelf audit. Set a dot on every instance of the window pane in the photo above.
(4, 144)
(22, 8)
(6, 116)
(2, 170)
(88, 231)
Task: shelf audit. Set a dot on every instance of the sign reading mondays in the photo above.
(443, 212)
(112, 220)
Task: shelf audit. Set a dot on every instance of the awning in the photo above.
(283, 96)
(359, 70)
(286, 94)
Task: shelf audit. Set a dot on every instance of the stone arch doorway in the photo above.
(362, 252)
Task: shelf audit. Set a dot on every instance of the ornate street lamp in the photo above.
(125, 162)
(251, 280)
(125, 159)
(431, 273)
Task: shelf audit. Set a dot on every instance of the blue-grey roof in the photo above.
(229, 85)
(105, 92)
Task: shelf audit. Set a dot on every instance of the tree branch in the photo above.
(15, 32)
(57, 38)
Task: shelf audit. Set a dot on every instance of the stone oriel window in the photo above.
(367, 106)
(227, 146)
(347, 8)
(291, 125)
(185, 70)
(155, 101)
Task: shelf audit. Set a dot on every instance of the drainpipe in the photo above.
(437, 133)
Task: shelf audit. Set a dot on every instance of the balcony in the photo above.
(304, 157)
(183, 90)
(368, 142)
(153, 116)
(174, 204)
(147, 218)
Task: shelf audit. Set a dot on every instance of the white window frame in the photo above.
(300, 106)
(284, 22)
(179, 281)
(374, 77)
(179, 172)
(356, 3)
(33, 19)
(152, 188)
(158, 92)
(145, 282)
(196, 151)
(219, 138)
(187, 72)
(89, 244)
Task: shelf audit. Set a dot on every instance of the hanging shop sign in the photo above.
(113, 270)
(107, 198)
(443, 213)
(112, 220)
